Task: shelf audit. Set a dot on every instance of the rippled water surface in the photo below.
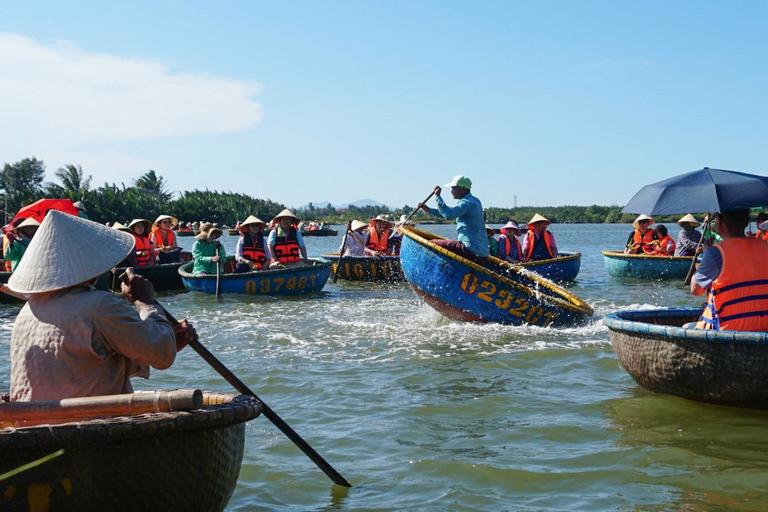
(421, 413)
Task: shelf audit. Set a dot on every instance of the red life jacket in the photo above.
(164, 241)
(287, 247)
(508, 245)
(376, 243)
(645, 241)
(532, 242)
(143, 250)
(737, 300)
(253, 249)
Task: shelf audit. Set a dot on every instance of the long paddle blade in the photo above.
(276, 420)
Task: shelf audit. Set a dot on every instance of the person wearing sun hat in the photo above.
(538, 242)
(207, 251)
(145, 248)
(641, 239)
(18, 240)
(356, 239)
(286, 245)
(688, 237)
(80, 207)
(251, 252)
(165, 239)
(509, 245)
(470, 221)
(72, 340)
(378, 236)
(493, 246)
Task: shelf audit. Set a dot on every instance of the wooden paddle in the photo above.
(265, 409)
(218, 274)
(696, 252)
(341, 254)
(416, 209)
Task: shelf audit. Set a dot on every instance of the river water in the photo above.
(421, 413)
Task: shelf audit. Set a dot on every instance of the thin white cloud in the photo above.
(55, 96)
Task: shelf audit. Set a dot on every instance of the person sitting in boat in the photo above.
(470, 222)
(18, 241)
(641, 240)
(81, 210)
(165, 239)
(251, 252)
(665, 246)
(493, 246)
(72, 340)
(286, 245)
(379, 231)
(539, 243)
(145, 248)
(207, 251)
(688, 238)
(130, 260)
(508, 243)
(761, 233)
(356, 239)
(732, 274)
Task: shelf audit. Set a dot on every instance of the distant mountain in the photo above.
(359, 203)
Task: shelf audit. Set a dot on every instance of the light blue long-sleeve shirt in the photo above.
(470, 223)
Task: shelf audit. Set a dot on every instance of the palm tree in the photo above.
(154, 184)
(75, 185)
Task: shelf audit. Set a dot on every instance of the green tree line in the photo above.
(148, 196)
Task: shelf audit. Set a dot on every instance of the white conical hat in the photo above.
(537, 218)
(68, 250)
(286, 213)
(690, 219)
(356, 224)
(251, 220)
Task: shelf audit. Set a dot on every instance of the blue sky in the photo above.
(539, 103)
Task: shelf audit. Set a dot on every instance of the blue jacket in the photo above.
(470, 223)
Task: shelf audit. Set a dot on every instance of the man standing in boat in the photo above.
(470, 221)
(732, 272)
(72, 340)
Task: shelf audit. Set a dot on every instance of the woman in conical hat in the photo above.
(72, 340)
(252, 251)
(378, 236)
(18, 241)
(539, 243)
(165, 239)
(286, 245)
(356, 238)
(641, 240)
(145, 249)
(688, 237)
(207, 251)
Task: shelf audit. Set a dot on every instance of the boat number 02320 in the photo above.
(277, 284)
(503, 299)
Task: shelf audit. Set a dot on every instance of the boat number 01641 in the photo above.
(276, 284)
(503, 299)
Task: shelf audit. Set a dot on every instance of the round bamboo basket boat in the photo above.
(177, 460)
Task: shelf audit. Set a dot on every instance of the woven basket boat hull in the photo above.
(646, 266)
(160, 461)
(498, 292)
(719, 367)
(563, 268)
(378, 269)
(278, 282)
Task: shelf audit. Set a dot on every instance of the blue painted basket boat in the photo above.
(503, 293)
(367, 268)
(719, 367)
(563, 268)
(280, 282)
(646, 266)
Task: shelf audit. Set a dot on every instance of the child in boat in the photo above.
(665, 246)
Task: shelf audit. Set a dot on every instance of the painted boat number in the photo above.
(357, 269)
(487, 291)
(276, 284)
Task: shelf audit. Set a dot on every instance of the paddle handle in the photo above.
(692, 268)
(218, 274)
(276, 420)
(402, 223)
(341, 254)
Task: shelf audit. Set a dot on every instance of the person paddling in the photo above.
(208, 253)
(472, 241)
(72, 340)
(355, 239)
(18, 241)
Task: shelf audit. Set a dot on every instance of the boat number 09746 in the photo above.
(503, 299)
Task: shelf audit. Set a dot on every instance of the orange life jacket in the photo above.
(287, 247)
(532, 242)
(376, 243)
(163, 241)
(645, 241)
(143, 250)
(737, 300)
(253, 249)
(508, 244)
(664, 242)
(762, 235)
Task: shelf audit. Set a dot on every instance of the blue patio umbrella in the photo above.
(703, 191)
